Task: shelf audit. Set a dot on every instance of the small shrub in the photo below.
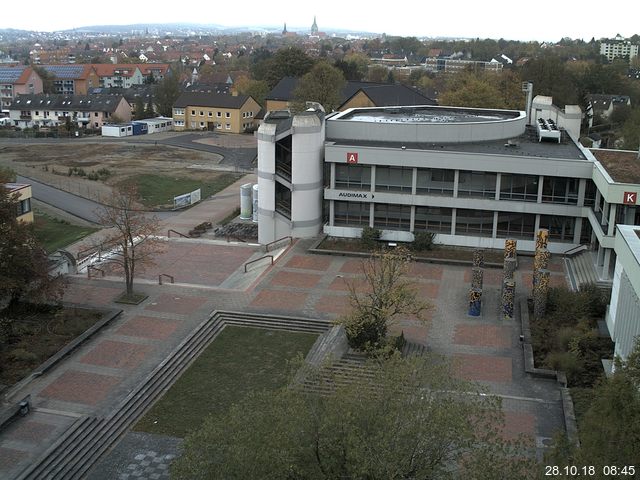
(370, 237)
(567, 362)
(93, 176)
(423, 241)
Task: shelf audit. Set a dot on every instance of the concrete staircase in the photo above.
(582, 271)
(75, 453)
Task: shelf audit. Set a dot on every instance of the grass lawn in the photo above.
(159, 190)
(54, 234)
(238, 361)
(36, 333)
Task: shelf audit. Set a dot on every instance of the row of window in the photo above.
(439, 220)
(180, 111)
(227, 126)
(474, 184)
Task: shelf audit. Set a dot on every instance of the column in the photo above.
(332, 212)
(453, 221)
(332, 179)
(498, 181)
(456, 180)
(612, 219)
(582, 188)
(540, 184)
(577, 230)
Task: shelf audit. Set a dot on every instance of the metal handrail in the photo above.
(571, 250)
(170, 277)
(254, 261)
(175, 231)
(91, 267)
(266, 247)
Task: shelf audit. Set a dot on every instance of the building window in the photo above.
(179, 111)
(474, 222)
(435, 181)
(560, 228)
(516, 225)
(477, 184)
(392, 217)
(201, 113)
(519, 187)
(24, 206)
(351, 214)
(356, 177)
(193, 112)
(227, 115)
(218, 114)
(201, 124)
(227, 126)
(210, 114)
(433, 219)
(560, 190)
(394, 179)
(193, 125)
(590, 194)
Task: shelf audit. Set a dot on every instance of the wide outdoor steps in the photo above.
(583, 271)
(353, 365)
(73, 455)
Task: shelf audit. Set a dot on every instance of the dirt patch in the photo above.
(69, 166)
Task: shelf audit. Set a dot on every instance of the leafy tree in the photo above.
(139, 108)
(166, 93)
(369, 237)
(149, 112)
(386, 294)
(323, 84)
(47, 79)
(402, 419)
(258, 89)
(24, 267)
(550, 77)
(286, 62)
(354, 66)
(378, 74)
(610, 429)
(131, 232)
(483, 90)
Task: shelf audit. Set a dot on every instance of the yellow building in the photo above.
(215, 111)
(23, 191)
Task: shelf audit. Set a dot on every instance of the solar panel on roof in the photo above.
(65, 71)
(11, 74)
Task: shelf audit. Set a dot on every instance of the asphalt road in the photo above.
(73, 204)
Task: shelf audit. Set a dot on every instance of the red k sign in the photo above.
(630, 198)
(352, 157)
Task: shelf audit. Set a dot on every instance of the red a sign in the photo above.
(352, 157)
(630, 198)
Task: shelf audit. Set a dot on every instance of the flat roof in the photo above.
(622, 165)
(426, 114)
(520, 146)
(13, 187)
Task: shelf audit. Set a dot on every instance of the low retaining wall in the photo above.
(530, 368)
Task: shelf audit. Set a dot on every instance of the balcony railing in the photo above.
(284, 209)
(283, 170)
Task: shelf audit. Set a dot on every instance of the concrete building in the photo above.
(618, 48)
(212, 111)
(456, 65)
(72, 79)
(23, 192)
(474, 177)
(83, 111)
(157, 125)
(623, 313)
(17, 80)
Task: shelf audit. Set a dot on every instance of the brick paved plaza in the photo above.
(105, 369)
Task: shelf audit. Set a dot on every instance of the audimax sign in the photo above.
(353, 195)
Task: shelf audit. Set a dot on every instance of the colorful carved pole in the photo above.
(510, 247)
(477, 276)
(478, 258)
(540, 262)
(475, 302)
(541, 293)
(508, 297)
(542, 238)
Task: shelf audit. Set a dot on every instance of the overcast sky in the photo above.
(518, 20)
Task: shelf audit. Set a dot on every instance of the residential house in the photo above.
(604, 105)
(118, 75)
(23, 192)
(83, 111)
(354, 94)
(72, 79)
(213, 111)
(18, 80)
(618, 47)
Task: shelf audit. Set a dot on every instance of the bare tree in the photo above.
(384, 294)
(131, 233)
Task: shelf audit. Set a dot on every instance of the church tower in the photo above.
(314, 27)
(284, 31)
